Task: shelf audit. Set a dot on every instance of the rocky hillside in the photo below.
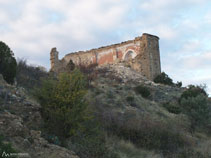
(141, 119)
(21, 122)
(122, 107)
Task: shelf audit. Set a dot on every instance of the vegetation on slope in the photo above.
(29, 76)
(66, 115)
(146, 122)
(62, 103)
(98, 114)
(7, 63)
(163, 78)
(6, 148)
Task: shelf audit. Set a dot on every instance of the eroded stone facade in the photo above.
(142, 54)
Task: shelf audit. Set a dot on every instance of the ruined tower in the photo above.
(54, 59)
(150, 56)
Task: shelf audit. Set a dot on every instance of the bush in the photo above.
(7, 63)
(173, 107)
(164, 79)
(143, 90)
(198, 110)
(51, 138)
(91, 142)
(29, 76)
(63, 104)
(130, 99)
(178, 84)
(7, 148)
(67, 118)
(89, 71)
(193, 91)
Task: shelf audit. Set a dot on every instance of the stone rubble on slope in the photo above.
(159, 92)
(127, 74)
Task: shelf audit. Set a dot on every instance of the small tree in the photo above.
(65, 114)
(179, 84)
(143, 90)
(193, 91)
(198, 110)
(7, 63)
(63, 104)
(164, 79)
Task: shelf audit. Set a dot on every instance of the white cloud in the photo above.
(31, 33)
(168, 5)
(3, 16)
(201, 61)
(191, 46)
(166, 32)
(207, 18)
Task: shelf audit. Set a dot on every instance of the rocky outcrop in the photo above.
(20, 124)
(124, 75)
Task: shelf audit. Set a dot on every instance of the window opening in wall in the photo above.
(129, 55)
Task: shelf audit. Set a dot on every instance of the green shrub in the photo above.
(51, 138)
(173, 107)
(130, 99)
(67, 118)
(6, 148)
(178, 84)
(198, 110)
(194, 101)
(63, 104)
(164, 79)
(7, 63)
(29, 76)
(91, 142)
(193, 91)
(143, 90)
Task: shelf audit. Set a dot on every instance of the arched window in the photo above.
(129, 55)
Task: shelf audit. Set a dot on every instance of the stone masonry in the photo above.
(142, 54)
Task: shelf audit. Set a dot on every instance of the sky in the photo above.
(32, 27)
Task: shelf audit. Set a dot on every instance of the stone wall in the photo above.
(142, 54)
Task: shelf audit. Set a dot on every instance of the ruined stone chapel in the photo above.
(141, 54)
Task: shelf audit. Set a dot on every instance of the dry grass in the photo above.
(148, 117)
(204, 147)
(126, 149)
